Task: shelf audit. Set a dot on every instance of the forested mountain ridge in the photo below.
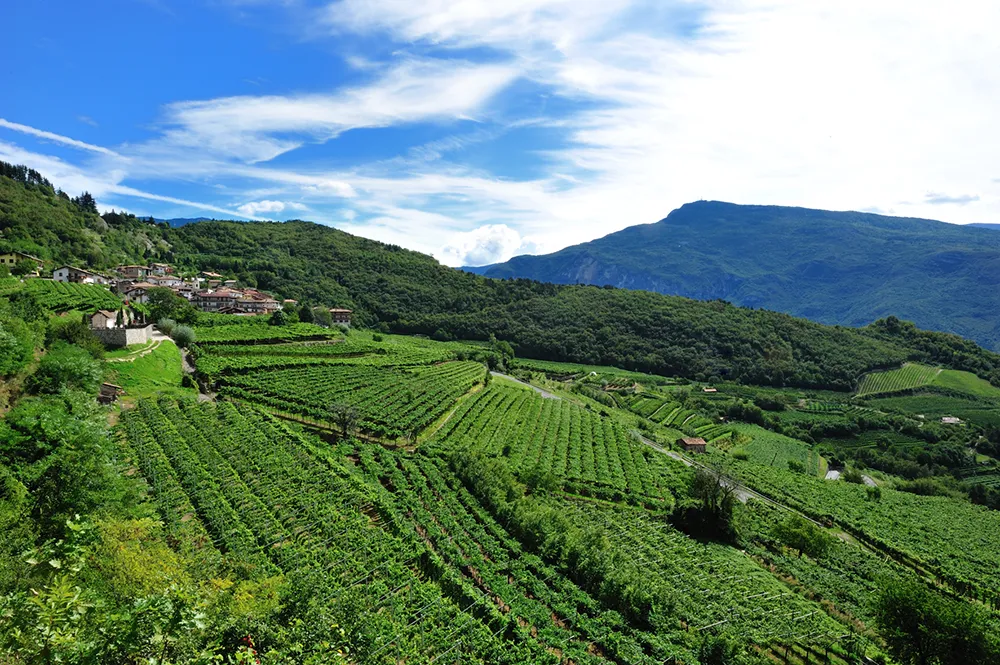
(846, 268)
(408, 292)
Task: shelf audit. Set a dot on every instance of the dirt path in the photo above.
(156, 338)
(544, 393)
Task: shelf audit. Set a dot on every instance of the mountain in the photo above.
(986, 225)
(846, 268)
(404, 291)
(181, 221)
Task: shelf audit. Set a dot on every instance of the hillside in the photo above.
(845, 268)
(408, 292)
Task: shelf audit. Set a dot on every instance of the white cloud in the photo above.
(492, 243)
(56, 138)
(255, 129)
(268, 207)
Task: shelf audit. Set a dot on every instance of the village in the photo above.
(206, 291)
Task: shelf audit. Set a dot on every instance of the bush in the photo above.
(74, 331)
(66, 366)
(853, 476)
(183, 336)
(166, 325)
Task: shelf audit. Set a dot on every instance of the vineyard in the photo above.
(236, 485)
(587, 453)
(907, 377)
(64, 296)
(391, 401)
(956, 540)
(779, 451)
(257, 333)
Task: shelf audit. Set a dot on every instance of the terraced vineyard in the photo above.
(258, 332)
(391, 401)
(907, 377)
(588, 453)
(64, 296)
(776, 450)
(235, 484)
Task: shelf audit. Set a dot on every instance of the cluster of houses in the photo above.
(209, 291)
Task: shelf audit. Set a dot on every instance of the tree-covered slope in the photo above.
(845, 268)
(409, 292)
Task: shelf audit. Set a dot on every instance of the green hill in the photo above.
(408, 292)
(846, 268)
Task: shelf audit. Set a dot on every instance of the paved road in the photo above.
(544, 393)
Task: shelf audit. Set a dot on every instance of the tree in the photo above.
(24, 267)
(709, 511)
(165, 304)
(921, 627)
(802, 535)
(345, 416)
(322, 317)
(278, 318)
(305, 314)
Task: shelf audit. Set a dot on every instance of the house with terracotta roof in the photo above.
(693, 444)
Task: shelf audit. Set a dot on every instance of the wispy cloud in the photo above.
(56, 138)
(936, 198)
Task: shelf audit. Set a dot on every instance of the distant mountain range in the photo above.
(845, 268)
(182, 221)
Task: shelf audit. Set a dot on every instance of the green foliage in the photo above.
(73, 331)
(165, 304)
(166, 325)
(804, 536)
(66, 366)
(921, 627)
(183, 336)
(17, 343)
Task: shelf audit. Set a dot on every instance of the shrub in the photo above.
(166, 325)
(854, 476)
(66, 366)
(183, 336)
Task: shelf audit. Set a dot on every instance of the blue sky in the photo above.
(475, 130)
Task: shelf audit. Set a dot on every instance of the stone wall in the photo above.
(123, 336)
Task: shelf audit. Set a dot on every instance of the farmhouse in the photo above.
(168, 281)
(11, 259)
(951, 420)
(160, 269)
(132, 272)
(341, 316)
(692, 444)
(139, 292)
(78, 276)
(213, 301)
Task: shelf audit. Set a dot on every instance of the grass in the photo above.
(154, 373)
(966, 382)
(128, 350)
(913, 375)
(777, 450)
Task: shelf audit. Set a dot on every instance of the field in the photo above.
(63, 296)
(591, 455)
(771, 449)
(908, 377)
(384, 520)
(912, 376)
(158, 371)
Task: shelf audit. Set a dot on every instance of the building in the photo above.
(229, 283)
(78, 276)
(258, 305)
(11, 259)
(213, 301)
(169, 281)
(341, 317)
(185, 291)
(951, 420)
(160, 269)
(139, 292)
(706, 389)
(132, 272)
(209, 275)
(103, 319)
(693, 444)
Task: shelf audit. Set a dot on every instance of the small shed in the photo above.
(692, 444)
(708, 389)
(109, 393)
(951, 420)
